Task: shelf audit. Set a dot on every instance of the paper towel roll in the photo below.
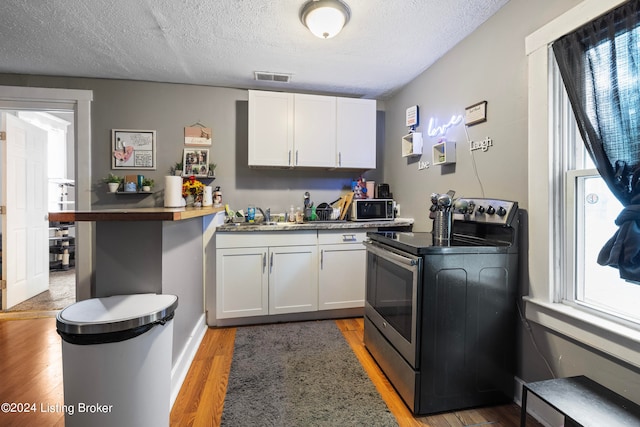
(207, 199)
(172, 191)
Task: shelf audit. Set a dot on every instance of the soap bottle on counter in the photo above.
(292, 214)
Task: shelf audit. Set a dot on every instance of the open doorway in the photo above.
(59, 183)
(79, 102)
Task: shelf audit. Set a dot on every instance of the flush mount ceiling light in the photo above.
(325, 18)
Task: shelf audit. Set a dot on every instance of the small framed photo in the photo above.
(133, 149)
(476, 113)
(195, 162)
(412, 117)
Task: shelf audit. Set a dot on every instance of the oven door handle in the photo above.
(390, 256)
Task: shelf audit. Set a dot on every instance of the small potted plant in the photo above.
(147, 183)
(176, 169)
(113, 181)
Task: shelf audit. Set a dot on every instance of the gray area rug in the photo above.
(299, 374)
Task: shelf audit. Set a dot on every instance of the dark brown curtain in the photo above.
(600, 67)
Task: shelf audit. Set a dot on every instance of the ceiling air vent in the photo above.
(272, 77)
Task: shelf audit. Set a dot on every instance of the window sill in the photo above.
(613, 339)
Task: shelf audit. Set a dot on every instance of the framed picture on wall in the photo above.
(197, 135)
(476, 113)
(133, 149)
(195, 162)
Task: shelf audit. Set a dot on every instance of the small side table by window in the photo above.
(583, 402)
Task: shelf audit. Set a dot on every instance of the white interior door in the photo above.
(25, 229)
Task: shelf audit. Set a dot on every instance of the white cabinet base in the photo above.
(293, 279)
(287, 276)
(341, 276)
(242, 282)
(292, 317)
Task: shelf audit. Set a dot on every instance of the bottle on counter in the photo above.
(251, 213)
(217, 197)
(299, 216)
(292, 214)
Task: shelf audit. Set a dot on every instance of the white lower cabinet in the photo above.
(293, 279)
(242, 282)
(341, 274)
(266, 273)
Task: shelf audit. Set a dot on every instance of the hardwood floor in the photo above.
(201, 397)
(31, 372)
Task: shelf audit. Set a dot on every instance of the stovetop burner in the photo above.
(485, 225)
(420, 243)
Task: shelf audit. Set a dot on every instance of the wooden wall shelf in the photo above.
(133, 192)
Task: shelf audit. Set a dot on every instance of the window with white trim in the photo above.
(590, 210)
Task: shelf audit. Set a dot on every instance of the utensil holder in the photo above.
(442, 227)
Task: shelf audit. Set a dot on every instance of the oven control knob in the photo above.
(491, 210)
(502, 211)
(480, 209)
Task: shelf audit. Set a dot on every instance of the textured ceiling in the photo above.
(385, 45)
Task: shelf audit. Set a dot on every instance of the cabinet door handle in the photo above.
(264, 261)
(321, 259)
(349, 238)
(271, 263)
(289, 157)
(340, 159)
(296, 157)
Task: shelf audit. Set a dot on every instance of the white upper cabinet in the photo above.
(314, 131)
(356, 133)
(298, 130)
(270, 128)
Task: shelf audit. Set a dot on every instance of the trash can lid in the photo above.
(115, 314)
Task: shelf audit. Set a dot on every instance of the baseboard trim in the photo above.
(183, 363)
(543, 413)
(22, 315)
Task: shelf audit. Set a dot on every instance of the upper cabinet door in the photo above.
(270, 129)
(356, 133)
(315, 131)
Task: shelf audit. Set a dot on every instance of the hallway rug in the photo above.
(299, 374)
(61, 293)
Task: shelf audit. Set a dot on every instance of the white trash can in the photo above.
(116, 360)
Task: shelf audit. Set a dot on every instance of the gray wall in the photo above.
(490, 65)
(168, 108)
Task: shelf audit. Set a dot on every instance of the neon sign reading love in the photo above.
(440, 130)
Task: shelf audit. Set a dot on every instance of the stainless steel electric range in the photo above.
(440, 320)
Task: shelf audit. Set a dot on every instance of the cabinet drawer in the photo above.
(330, 237)
(246, 239)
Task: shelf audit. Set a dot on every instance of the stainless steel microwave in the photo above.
(372, 210)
